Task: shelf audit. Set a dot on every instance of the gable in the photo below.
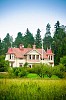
(33, 52)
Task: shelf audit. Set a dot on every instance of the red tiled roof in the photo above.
(20, 53)
(44, 53)
(49, 51)
(10, 51)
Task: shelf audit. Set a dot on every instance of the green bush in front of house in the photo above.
(17, 71)
(41, 70)
(3, 64)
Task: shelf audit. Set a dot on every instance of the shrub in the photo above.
(3, 64)
(58, 71)
(18, 71)
(23, 72)
(42, 69)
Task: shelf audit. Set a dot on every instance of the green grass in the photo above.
(32, 89)
(32, 75)
(4, 75)
(54, 77)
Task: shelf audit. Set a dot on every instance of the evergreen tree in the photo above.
(28, 39)
(57, 26)
(59, 44)
(18, 40)
(48, 30)
(38, 39)
(6, 43)
(47, 39)
(0, 47)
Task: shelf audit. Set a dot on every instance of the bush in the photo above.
(18, 72)
(42, 69)
(58, 71)
(3, 64)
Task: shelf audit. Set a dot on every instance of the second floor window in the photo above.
(51, 57)
(29, 56)
(37, 56)
(11, 56)
(33, 56)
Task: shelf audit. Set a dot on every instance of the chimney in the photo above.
(21, 47)
(34, 46)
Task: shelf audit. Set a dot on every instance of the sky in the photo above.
(18, 15)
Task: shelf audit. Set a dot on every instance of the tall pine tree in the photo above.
(0, 47)
(28, 39)
(59, 43)
(38, 39)
(6, 43)
(18, 39)
(47, 39)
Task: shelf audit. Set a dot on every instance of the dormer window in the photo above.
(51, 57)
(11, 56)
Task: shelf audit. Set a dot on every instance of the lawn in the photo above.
(32, 89)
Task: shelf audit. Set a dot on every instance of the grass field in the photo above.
(32, 89)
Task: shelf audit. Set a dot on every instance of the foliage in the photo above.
(18, 39)
(27, 89)
(0, 47)
(59, 43)
(17, 72)
(28, 38)
(43, 70)
(59, 70)
(4, 75)
(32, 75)
(47, 39)
(26, 64)
(3, 64)
(38, 39)
(63, 61)
(6, 43)
(57, 26)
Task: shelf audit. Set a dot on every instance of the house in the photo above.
(19, 56)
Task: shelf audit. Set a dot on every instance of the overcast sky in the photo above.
(18, 15)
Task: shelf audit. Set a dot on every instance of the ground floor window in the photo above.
(30, 65)
(20, 64)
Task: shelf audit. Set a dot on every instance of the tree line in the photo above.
(57, 42)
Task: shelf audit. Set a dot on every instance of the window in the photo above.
(30, 66)
(20, 58)
(51, 57)
(11, 56)
(37, 56)
(29, 56)
(20, 64)
(33, 56)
